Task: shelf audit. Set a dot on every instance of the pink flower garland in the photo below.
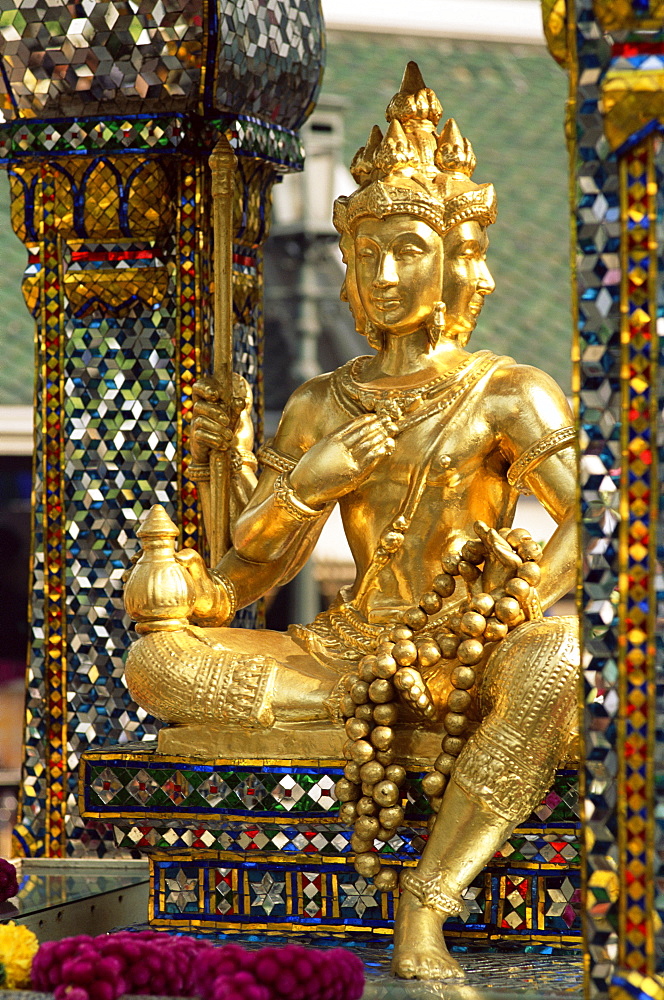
(103, 968)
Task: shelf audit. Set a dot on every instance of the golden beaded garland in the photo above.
(369, 792)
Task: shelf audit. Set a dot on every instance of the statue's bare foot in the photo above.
(419, 946)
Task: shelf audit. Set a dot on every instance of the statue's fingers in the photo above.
(211, 410)
(207, 387)
(190, 558)
(212, 439)
(357, 429)
(494, 574)
(380, 450)
(204, 425)
(373, 430)
(362, 448)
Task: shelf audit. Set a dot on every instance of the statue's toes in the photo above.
(451, 970)
(427, 967)
(404, 967)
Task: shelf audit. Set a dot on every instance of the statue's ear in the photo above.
(374, 336)
(436, 325)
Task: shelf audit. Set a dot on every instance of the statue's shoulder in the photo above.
(510, 376)
(308, 413)
(525, 391)
(327, 388)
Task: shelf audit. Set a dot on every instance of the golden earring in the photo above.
(436, 327)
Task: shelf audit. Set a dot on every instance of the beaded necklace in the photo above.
(394, 403)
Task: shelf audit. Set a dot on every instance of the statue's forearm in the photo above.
(558, 563)
(266, 532)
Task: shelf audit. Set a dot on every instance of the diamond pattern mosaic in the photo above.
(185, 55)
(539, 850)
(205, 823)
(599, 402)
(144, 134)
(657, 513)
(620, 494)
(637, 553)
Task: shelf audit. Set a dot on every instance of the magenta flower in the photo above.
(8, 880)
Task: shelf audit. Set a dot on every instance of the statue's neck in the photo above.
(412, 358)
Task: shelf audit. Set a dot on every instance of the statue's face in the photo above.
(399, 272)
(466, 279)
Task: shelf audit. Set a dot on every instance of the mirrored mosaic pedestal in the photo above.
(254, 845)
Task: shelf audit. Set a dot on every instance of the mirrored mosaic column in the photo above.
(119, 284)
(614, 52)
(109, 114)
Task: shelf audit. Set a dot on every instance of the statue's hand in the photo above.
(213, 604)
(214, 426)
(342, 460)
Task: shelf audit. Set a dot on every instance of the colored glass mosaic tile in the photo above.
(597, 231)
(657, 515)
(148, 784)
(217, 816)
(130, 275)
(638, 484)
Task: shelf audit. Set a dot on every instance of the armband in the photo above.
(531, 458)
(270, 457)
(241, 457)
(286, 497)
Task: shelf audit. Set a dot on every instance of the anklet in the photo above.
(431, 894)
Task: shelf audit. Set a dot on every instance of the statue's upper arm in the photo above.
(300, 427)
(302, 423)
(535, 427)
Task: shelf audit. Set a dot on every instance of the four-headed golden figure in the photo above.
(425, 447)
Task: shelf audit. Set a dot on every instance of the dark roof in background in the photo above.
(509, 101)
(17, 328)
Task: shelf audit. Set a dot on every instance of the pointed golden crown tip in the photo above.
(454, 153)
(412, 81)
(414, 101)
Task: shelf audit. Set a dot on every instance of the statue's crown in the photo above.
(415, 170)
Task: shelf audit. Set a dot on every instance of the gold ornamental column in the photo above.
(107, 137)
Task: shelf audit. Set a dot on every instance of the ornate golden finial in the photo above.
(159, 594)
(454, 153)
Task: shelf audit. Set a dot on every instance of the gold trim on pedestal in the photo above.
(414, 747)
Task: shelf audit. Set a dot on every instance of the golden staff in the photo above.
(222, 165)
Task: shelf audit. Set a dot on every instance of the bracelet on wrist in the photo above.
(198, 473)
(224, 603)
(286, 498)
